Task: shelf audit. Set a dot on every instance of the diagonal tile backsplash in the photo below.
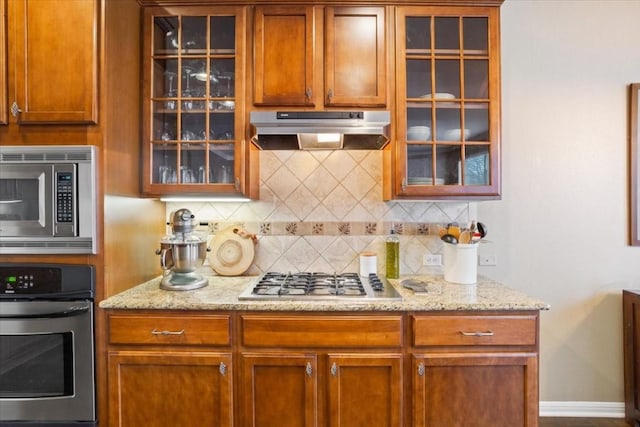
(318, 210)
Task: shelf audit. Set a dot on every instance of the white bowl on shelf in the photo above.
(418, 133)
(456, 134)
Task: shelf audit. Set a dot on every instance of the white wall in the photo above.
(560, 230)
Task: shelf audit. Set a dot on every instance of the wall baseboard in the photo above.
(582, 409)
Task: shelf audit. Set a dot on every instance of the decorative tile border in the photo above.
(329, 228)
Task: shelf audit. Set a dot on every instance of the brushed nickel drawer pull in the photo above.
(477, 334)
(223, 369)
(421, 369)
(334, 369)
(157, 332)
(309, 369)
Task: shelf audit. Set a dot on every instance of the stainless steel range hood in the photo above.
(320, 130)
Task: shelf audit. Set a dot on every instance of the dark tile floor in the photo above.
(582, 422)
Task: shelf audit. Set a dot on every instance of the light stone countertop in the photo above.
(222, 294)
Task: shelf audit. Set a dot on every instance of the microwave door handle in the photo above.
(71, 311)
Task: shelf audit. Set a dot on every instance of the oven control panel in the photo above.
(47, 281)
(19, 280)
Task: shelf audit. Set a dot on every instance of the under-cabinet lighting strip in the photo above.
(205, 199)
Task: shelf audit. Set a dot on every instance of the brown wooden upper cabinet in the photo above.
(193, 109)
(54, 61)
(317, 56)
(448, 103)
(3, 67)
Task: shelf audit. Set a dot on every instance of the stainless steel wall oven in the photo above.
(47, 356)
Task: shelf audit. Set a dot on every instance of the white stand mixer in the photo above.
(181, 254)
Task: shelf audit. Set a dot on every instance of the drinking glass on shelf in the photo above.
(228, 78)
(224, 175)
(172, 39)
(186, 175)
(167, 134)
(171, 92)
(167, 174)
(186, 92)
(202, 175)
(188, 135)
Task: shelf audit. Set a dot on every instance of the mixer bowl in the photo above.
(182, 257)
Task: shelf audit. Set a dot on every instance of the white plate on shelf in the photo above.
(439, 95)
(424, 180)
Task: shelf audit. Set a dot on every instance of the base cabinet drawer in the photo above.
(475, 330)
(170, 330)
(321, 331)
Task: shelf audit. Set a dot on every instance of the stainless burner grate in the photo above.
(316, 286)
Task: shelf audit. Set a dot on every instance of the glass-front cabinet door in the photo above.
(448, 118)
(193, 138)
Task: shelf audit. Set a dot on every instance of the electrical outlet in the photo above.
(432, 260)
(487, 260)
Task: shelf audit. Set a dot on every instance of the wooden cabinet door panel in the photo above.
(279, 390)
(56, 60)
(283, 55)
(355, 56)
(154, 389)
(475, 390)
(365, 390)
(3, 66)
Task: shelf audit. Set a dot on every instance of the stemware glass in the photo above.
(186, 92)
(187, 72)
(171, 92)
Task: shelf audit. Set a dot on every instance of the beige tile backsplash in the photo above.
(319, 209)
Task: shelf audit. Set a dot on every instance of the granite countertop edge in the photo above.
(221, 294)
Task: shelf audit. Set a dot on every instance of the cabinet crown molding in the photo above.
(476, 3)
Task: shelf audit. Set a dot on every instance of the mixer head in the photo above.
(183, 222)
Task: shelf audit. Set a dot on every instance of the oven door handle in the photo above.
(71, 311)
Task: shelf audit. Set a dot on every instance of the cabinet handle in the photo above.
(404, 184)
(334, 369)
(15, 109)
(477, 334)
(157, 332)
(421, 369)
(308, 93)
(223, 369)
(330, 94)
(237, 184)
(309, 369)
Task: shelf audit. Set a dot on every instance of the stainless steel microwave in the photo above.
(48, 199)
